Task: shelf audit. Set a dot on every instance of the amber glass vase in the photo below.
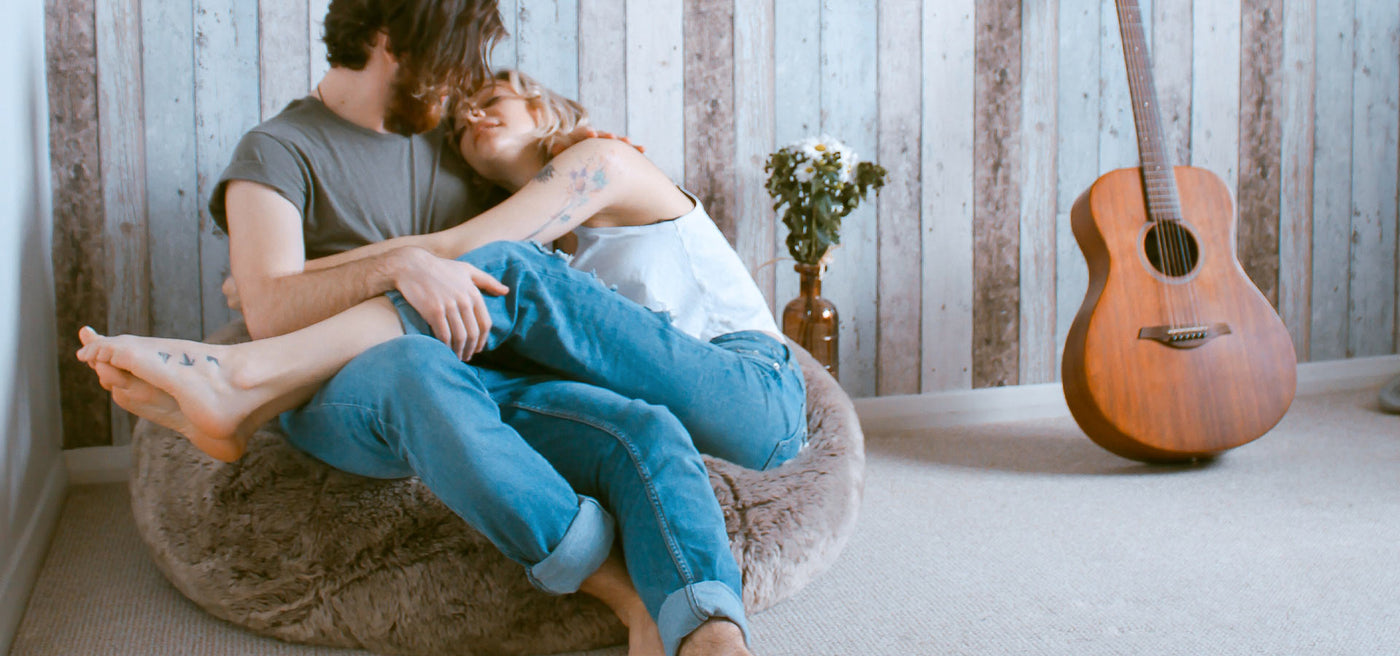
(811, 320)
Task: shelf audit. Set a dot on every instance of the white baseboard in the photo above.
(1343, 375)
(1046, 401)
(23, 568)
(98, 464)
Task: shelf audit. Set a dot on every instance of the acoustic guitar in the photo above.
(1175, 354)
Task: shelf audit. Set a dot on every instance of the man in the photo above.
(361, 161)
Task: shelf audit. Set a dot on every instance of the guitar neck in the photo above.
(1158, 176)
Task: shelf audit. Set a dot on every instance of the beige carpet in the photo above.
(1005, 539)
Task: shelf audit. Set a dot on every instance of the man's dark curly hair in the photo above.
(443, 44)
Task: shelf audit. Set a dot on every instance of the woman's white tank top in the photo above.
(684, 267)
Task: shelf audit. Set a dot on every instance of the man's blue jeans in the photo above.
(527, 457)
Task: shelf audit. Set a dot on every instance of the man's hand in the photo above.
(231, 295)
(447, 293)
(580, 134)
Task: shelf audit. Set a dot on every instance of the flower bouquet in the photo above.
(820, 180)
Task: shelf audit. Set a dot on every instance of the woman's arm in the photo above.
(594, 176)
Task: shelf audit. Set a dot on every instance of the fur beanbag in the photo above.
(288, 547)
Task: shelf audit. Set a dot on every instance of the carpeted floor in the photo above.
(1019, 538)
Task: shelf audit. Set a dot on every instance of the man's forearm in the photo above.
(287, 303)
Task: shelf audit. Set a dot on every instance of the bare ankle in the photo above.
(716, 637)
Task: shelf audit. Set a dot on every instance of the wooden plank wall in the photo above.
(991, 117)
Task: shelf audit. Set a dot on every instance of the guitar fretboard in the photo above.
(1157, 173)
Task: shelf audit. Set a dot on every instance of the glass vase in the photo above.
(811, 320)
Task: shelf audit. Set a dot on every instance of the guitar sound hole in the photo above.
(1171, 249)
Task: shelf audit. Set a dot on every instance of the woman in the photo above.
(729, 379)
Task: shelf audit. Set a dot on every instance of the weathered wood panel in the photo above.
(1215, 93)
(754, 139)
(1039, 53)
(506, 54)
(1118, 146)
(997, 195)
(547, 43)
(316, 56)
(226, 105)
(283, 49)
(1296, 171)
(1375, 123)
(172, 199)
(79, 240)
(849, 113)
(1171, 67)
(709, 109)
(899, 259)
(122, 146)
(602, 63)
(656, 82)
(1332, 179)
(946, 193)
(1077, 150)
(797, 94)
(1261, 56)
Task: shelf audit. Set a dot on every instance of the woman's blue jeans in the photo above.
(586, 412)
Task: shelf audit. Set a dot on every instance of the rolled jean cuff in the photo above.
(582, 551)
(686, 609)
(413, 323)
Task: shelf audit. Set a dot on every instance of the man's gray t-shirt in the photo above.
(353, 186)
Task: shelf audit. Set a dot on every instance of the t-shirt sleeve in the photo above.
(266, 160)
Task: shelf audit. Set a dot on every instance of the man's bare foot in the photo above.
(716, 637)
(203, 379)
(612, 585)
(643, 636)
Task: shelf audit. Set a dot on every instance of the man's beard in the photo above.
(411, 112)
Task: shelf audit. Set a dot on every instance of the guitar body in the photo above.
(1142, 398)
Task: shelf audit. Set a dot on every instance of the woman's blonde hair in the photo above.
(557, 116)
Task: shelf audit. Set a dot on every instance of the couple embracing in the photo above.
(559, 404)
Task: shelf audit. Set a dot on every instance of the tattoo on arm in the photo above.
(581, 184)
(188, 361)
(210, 358)
(164, 357)
(564, 219)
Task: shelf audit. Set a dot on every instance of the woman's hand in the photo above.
(447, 293)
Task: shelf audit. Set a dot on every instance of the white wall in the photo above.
(32, 477)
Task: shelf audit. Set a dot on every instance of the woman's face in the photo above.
(499, 127)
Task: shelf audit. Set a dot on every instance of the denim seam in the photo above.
(687, 576)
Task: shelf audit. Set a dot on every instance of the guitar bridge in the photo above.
(1184, 337)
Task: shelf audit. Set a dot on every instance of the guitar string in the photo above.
(1126, 25)
(1174, 251)
(1181, 236)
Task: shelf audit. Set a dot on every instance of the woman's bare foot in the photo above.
(716, 637)
(612, 585)
(141, 398)
(153, 404)
(206, 381)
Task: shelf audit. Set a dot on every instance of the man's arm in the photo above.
(279, 295)
(267, 258)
